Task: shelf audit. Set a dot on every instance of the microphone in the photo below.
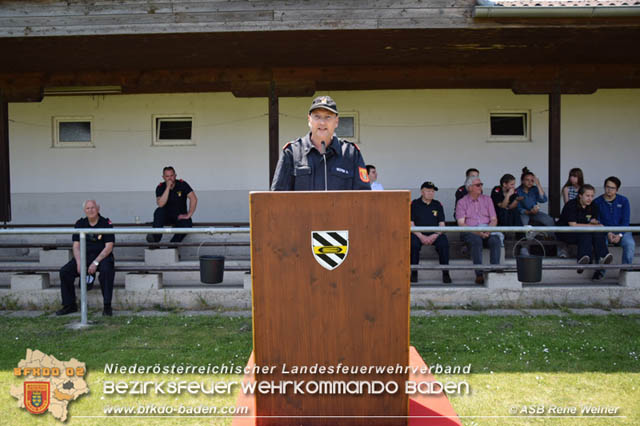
(324, 156)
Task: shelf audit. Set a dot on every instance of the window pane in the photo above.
(505, 125)
(345, 127)
(75, 131)
(174, 129)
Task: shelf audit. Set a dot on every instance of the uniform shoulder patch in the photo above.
(160, 184)
(287, 145)
(364, 176)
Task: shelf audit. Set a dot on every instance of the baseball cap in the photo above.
(429, 185)
(324, 102)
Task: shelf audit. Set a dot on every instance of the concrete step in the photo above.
(235, 297)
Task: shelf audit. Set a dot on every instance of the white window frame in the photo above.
(356, 125)
(510, 138)
(155, 141)
(57, 143)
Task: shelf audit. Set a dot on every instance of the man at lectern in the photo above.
(320, 160)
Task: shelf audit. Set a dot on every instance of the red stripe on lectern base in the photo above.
(420, 406)
(428, 405)
(246, 400)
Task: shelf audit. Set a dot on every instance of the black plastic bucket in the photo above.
(211, 269)
(529, 268)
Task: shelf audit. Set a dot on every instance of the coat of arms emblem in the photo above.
(330, 248)
(36, 396)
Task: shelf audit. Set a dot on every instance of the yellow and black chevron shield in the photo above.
(330, 248)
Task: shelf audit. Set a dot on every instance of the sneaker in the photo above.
(597, 276)
(446, 278)
(479, 279)
(414, 276)
(607, 259)
(583, 261)
(66, 310)
(563, 253)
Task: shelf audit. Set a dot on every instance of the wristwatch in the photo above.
(96, 263)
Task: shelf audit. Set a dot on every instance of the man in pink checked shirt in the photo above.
(476, 209)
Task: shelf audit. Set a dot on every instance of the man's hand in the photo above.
(170, 184)
(91, 270)
(534, 210)
(431, 239)
(78, 267)
(510, 192)
(613, 238)
(483, 235)
(183, 216)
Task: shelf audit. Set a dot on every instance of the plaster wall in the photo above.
(410, 135)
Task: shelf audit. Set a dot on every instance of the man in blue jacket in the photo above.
(615, 211)
(320, 160)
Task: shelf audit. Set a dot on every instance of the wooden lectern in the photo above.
(330, 275)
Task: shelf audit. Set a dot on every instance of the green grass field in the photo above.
(520, 366)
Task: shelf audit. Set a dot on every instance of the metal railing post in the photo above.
(83, 278)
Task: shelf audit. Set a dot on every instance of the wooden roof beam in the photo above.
(304, 81)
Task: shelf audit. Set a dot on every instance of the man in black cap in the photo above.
(425, 211)
(320, 161)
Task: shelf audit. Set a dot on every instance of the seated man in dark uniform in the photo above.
(99, 259)
(171, 197)
(425, 211)
(320, 160)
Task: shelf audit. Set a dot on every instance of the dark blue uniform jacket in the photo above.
(301, 167)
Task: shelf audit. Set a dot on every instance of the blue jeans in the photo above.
(540, 217)
(475, 243)
(628, 248)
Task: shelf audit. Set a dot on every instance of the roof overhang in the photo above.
(556, 12)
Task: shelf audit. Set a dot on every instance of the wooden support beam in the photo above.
(304, 81)
(554, 154)
(5, 186)
(274, 130)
